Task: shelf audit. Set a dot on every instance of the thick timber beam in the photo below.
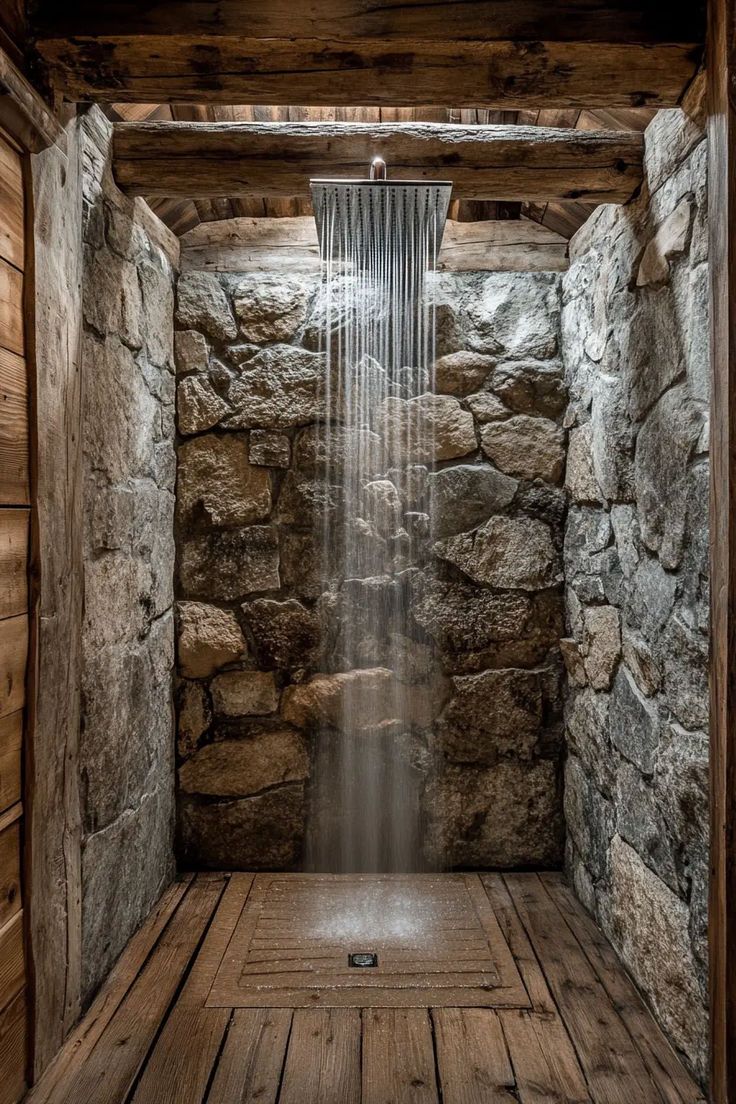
(504, 53)
(210, 160)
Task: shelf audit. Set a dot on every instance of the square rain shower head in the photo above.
(379, 215)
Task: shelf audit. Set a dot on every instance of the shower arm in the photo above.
(378, 169)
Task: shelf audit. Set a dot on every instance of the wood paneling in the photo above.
(12, 964)
(13, 1050)
(11, 308)
(12, 246)
(721, 70)
(10, 897)
(14, 457)
(11, 743)
(23, 113)
(13, 653)
(229, 159)
(14, 537)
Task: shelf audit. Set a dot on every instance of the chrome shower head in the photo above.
(378, 212)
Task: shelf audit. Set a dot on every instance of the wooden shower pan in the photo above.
(427, 941)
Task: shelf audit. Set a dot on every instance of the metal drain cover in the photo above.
(363, 959)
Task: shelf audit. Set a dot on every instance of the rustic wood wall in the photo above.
(15, 502)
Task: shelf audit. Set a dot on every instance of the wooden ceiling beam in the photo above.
(221, 160)
(496, 74)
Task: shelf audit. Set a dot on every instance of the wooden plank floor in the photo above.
(575, 1032)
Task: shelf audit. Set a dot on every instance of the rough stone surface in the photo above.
(635, 351)
(209, 638)
(126, 738)
(526, 447)
(265, 663)
(218, 485)
(269, 307)
(244, 767)
(463, 372)
(244, 693)
(506, 552)
(201, 304)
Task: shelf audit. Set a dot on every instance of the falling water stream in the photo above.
(378, 243)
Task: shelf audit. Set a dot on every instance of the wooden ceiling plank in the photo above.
(342, 72)
(210, 160)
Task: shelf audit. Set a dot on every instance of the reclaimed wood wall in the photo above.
(15, 503)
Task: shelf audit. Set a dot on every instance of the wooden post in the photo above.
(721, 68)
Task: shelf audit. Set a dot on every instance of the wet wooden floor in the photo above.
(487, 989)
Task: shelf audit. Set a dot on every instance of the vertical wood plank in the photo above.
(14, 469)
(323, 1058)
(10, 898)
(12, 960)
(13, 655)
(249, 1070)
(13, 1050)
(14, 533)
(11, 742)
(11, 308)
(398, 1057)
(12, 239)
(721, 73)
(53, 853)
(472, 1060)
(546, 1068)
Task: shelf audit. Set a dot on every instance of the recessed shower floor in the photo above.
(489, 988)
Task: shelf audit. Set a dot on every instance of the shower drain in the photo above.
(363, 959)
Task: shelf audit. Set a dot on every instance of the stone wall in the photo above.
(252, 615)
(126, 744)
(635, 342)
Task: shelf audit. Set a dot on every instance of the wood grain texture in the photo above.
(14, 446)
(13, 1050)
(11, 308)
(323, 1057)
(229, 159)
(232, 69)
(13, 657)
(398, 1057)
(272, 244)
(591, 20)
(23, 112)
(53, 855)
(545, 1064)
(472, 1060)
(12, 238)
(10, 895)
(721, 69)
(11, 743)
(249, 1070)
(14, 549)
(12, 960)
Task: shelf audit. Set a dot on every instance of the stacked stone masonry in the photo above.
(259, 666)
(635, 344)
(126, 745)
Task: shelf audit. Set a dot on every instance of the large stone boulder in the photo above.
(240, 768)
(514, 314)
(271, 450)
(635, 722)
(208, 638)
(198, 406)
(193, 715)
(531, 387)
(580, 481)
(490, 715)
(330, 450)
(201, 304)
(366, 698)
(505, 816)
(263, 832)
(244, 693)
(601, 645)
(218, 485)
(230, 563)
(190, 351)
(527, 447)
(280, 387)
(487, 407)
(286, 634)
(461, 373)
(513, 553)
(426, 428)
(270, 307)
(465, 495)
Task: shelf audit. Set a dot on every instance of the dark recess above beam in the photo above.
(209, 160)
